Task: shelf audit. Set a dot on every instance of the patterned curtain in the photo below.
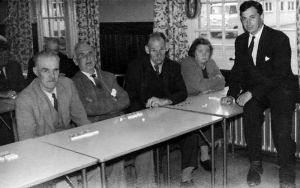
(88, 26)
(170, 18)
(19, 31)
(298, 37)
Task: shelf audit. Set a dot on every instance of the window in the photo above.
(291, 5)
(55, 18)
(222, 27)
(268, 6)
(281, 5)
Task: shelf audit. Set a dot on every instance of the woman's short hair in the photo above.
(199, 41)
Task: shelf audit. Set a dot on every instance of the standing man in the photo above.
(154, 81)
(262, 78)
(50, 102)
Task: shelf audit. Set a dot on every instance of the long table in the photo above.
(210, 104)
(122, 135)
(37, 163)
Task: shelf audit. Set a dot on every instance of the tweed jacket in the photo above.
(36, 115)
(272, 69)
(193, 76)
(99, 103)
(138, 82)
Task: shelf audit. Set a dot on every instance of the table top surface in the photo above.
(37, 163)
(128, 133)
(7, 105)
(209, 104)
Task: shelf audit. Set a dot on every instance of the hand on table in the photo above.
(244, 98)
(156, 102)
(8, 94)
(227, 100)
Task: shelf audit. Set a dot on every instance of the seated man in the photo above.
(66, 65)
(11, 82)
(98, 90)
(102, 98)
(50, 102)
(154, 81)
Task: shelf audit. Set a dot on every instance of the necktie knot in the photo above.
(55, 101)
(93, 76)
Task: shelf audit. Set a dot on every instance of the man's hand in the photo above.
(227, 100)
(244, 98)
(8, 94)
(156, 102)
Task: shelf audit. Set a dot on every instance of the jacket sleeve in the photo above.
(122, 96)
(133, 86)
(236, 73)
(178, 92)
(215, 80)
(26, 124)
(78, 113)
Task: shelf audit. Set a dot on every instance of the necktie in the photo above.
(97, 81)
(204, 72)
(2, 75)
(156, 67)
(250, 49)
(55, 102)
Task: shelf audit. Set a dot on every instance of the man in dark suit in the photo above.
(154, 81)
(262, 78)
(11, 82)
(66, 65)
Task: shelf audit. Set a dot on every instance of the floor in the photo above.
(237, 170)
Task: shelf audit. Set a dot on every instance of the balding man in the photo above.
(50, 102)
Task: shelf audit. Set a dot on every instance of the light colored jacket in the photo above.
(36, 115)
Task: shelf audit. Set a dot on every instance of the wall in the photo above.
(126, 10)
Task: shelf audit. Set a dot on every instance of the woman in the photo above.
(202, 75)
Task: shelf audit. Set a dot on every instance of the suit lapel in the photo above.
(263, 46)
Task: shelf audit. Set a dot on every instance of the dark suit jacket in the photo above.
(14, 77)
(66, 66)
(138, 83)
(98, 103)
(272, 70)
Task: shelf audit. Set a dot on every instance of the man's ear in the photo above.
(75, 60)
(147, 50)
(35, 71)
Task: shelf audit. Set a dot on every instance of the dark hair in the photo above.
(44, 53)
(156, 36)
(247, 4)
(4, 46)
(197, 42)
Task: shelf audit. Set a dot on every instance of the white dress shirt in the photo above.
(256, 43)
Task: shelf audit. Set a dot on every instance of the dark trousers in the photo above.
(6, 135)
(282, 104)
(189, 150)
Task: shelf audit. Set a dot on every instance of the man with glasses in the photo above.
(153, 81)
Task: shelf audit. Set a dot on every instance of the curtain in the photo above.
(298, 37)
(19, 31)
(88, 26)
(170, 19)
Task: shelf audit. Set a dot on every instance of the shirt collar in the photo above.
(89, 75)
(49, 94)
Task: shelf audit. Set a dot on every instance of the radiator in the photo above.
(236, 133)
